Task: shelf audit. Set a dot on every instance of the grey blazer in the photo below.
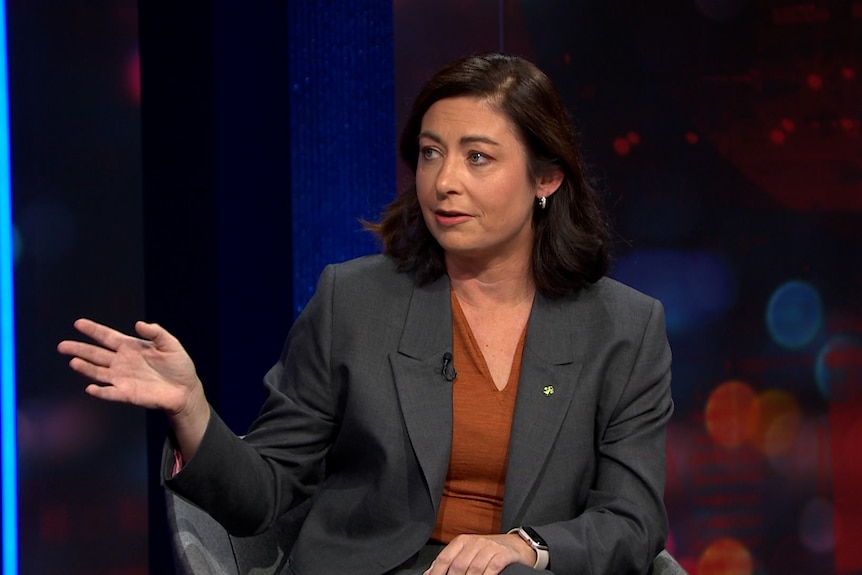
(360, 387)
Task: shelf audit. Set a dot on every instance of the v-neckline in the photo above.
(459, 321)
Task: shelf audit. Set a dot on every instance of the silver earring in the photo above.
(543, 203)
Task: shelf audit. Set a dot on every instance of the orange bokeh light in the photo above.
(727, 413)
(774, 420)
(725, 557)
(770, 421)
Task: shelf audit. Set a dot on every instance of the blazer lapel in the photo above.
(425, 396)
(548, 380)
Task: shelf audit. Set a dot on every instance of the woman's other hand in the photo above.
(481, 554)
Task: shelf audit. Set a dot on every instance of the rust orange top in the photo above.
(482, 422)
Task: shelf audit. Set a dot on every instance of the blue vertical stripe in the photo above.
(8, 435)
(342, 126)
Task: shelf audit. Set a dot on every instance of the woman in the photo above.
(478, 399)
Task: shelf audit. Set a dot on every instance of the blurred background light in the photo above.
(8, 449)
(132, 77)
(16, 243)
(622, 146)
(695, 287)
(838, 369)
(794, 314)
(815, 526)
(725, 557)
(804, 465)
(774, 420)
(727, 413)
(48, 229)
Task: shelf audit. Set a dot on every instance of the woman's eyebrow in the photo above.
(479, 139)
(469, 139)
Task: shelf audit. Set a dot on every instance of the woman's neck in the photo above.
(491, 286)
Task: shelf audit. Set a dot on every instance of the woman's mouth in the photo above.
(447, 218)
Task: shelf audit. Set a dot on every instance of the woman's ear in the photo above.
(549, 183)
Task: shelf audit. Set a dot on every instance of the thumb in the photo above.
(156, 334)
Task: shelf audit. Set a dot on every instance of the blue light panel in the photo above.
(8, 435)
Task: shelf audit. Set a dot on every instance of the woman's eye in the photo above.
(478, 158)
(428, 153)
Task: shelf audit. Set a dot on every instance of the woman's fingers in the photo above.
(87, 352)
(109, 341)
(155, 333)
(101, 334)
(148, 331)
(91, 371)
(150, 369)
(106, 392)
(95, 360)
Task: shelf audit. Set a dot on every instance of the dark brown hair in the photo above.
(571, 234)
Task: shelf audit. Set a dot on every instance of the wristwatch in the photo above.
(538, 544)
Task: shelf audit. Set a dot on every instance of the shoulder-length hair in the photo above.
(571, 247)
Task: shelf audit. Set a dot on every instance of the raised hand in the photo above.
(152, 371)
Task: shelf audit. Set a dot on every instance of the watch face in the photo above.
(537, 539)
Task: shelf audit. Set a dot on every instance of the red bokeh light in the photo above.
(845, 430)
(133, 515)
(814, 81)
(848, 124)
(133, 77)
(788, 125)
(777, 136)
(622, 146)
(54, 523)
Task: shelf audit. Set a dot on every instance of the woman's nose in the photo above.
(448, 179)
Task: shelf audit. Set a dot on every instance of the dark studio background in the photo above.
(197, 164)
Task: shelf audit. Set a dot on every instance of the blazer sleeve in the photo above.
(624, 523)
(246, 483)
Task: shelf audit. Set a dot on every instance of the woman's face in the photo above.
(473, 184)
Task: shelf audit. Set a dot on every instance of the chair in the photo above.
(665, 564)
(202, 546)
